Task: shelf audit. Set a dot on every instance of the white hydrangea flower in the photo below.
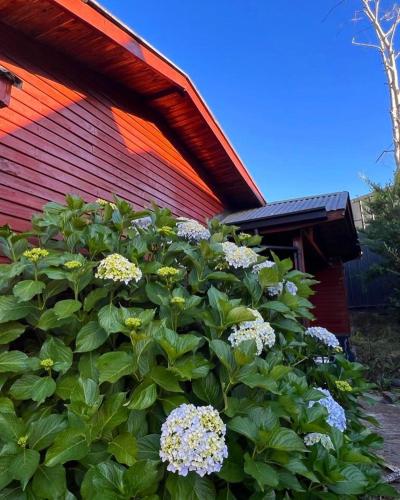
(190, 229)
(115, 267)
(258, 330)
(336, 414)
(291, 287)
(262, 265)
(238, 257)
(317, 437)
(275, 290)
(322, 334)
(141, 223)
(193, 439)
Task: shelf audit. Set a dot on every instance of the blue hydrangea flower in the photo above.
(291, 287)
(336, 414)
(193, 439)
(323, 335)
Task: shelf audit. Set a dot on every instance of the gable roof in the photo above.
(86, 32)
(326, 202)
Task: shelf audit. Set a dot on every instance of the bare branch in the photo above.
(337, 4)
(365, 44)
(385, 151)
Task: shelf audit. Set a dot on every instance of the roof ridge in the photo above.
(312, 197)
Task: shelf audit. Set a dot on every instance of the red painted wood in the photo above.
(5, 92)
(330, 300)
(89, 36)
(67, 130)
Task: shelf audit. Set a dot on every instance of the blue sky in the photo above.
(306, 111)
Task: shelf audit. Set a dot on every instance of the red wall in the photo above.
(68, 130)
(330, 300)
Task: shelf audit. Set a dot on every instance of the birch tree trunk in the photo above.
(385, 25)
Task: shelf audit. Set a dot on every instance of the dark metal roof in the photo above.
(328, 202)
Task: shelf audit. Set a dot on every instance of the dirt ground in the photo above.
(389, 417)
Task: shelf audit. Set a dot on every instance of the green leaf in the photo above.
(22, 388)
(114, 365)
(257, 380)
(56, 350)
(11, 427)
(110, 319)
(268, 276)
(49, 320)
(149, 447)
(13, 361)
(157, 293)
(111, 413)
(70, 444)
(26, 290)
(93, 297)
(143, 396)
(191, 487)
(208, 389)
(192, 367)
(165, 379)
(221, 276)
(245, 427)
(5, 476)
(176, 345)
(275, 305)
(224, 353)
(43, 388)
(42, 432)
(24, 465)
(124, 448)
(11, 309)
(66, 308)
(90, 337)
(264, 474)
(238, 315)
(285, 440)
(11, 331)
(50, 482)
(104, 481)
(140, 477)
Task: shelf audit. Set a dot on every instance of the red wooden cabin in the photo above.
(87, 106)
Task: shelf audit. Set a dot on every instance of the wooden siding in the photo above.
(330, 300)
(70, 130)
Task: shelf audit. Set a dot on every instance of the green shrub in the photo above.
(108, 327)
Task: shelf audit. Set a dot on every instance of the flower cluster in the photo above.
(193, 439)
(115, 267)
(323, 335)
(275, 289)
(22, 441)
(192, 230)
(238, 257)
(317, 437)
(141, 223)
(167, 272)
(258, 330)
(73, 264)
(336, 414)
(133, 322)
(35, 254)
(166, 231)
(47, 363)
(291, 287)
(263, 265)
(177, 301)
(343, 385)
(104, 203)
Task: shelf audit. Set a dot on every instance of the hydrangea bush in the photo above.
(145, 357)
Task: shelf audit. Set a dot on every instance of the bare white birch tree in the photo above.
(384, 23)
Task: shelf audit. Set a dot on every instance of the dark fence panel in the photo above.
(363, 292)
